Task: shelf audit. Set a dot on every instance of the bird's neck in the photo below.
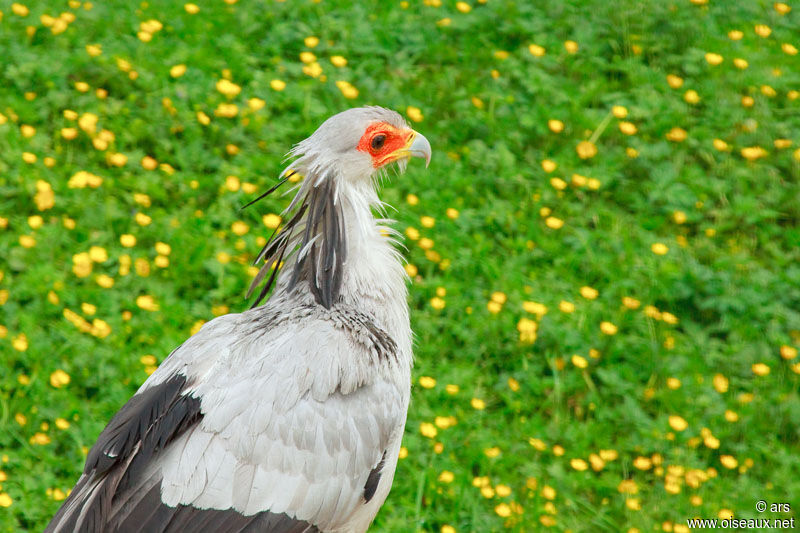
(346, 256)
(374, 277)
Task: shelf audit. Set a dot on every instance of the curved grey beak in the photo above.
(420, 147)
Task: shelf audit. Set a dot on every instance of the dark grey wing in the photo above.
(148, 422)
(116, 494)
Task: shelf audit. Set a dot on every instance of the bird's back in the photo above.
(283, 418)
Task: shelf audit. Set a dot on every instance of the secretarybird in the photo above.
(287, 417)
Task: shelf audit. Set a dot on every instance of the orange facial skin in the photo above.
(394, 146)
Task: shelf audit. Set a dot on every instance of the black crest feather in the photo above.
(314, 235)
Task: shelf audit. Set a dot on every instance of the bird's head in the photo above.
(358, 143)
(338, 162)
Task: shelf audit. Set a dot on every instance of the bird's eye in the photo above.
(377, 141)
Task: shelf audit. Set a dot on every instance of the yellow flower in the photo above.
(447, 529)
(691, 97)
(548, 492)
(105, 281)
(20, 342)
(728, 461)
(492, 452)
(571, 47)
(720, 383)
(59, 378)
(579, 464)
(628, 128)
(789, 49)
(142, 219)
(177, 71)
(556, 126)
(558, 450)
(760, 369)
(255, 104)
(735, 35)
(240, 228)
(414, 113)
(503, 491)
(127, 240)
(740, 63)
(446, 476)
(94, 50)
(762, 30)
(642, 463)
(203, 119)
(307, 57)
(674, 81)
(586, 150)
(348, 91)
(513, 384)
(659, 248)
(554, 223)
(634, 504)
(630, 303)
(527, 330)
(192, 9)
(463, 7)
(608, 328)
(678, 423)
(589, 293)
(503, 510)
(677, 135)
(226, 110)
(277, 85)
(452, 213)
(147, 302)
(608, 455)
(627, 486)
(535, 308)
(428, 430)
(579, 361)
(338, 61)
(20, 10)
(437, 303)
(566, 307)
(536, 50)
(549, 165)
(713, 58)
(39, 438)
(752, 153)
(788, 352)
(538, 444)
(673, 383)
(427, 382)
(477, 404)
(499, 297)
(720, 145)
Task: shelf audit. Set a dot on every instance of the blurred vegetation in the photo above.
(605, 251)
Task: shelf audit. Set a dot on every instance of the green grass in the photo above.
(730, 274)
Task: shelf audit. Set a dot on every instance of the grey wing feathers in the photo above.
(146, 424)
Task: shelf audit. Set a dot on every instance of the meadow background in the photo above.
(604, 252)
